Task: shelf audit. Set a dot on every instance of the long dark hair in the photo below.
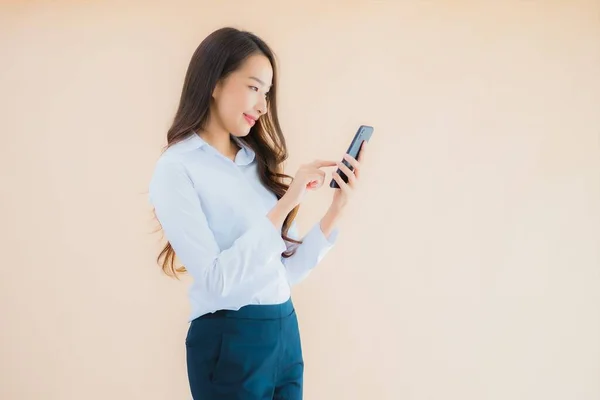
(219, 54)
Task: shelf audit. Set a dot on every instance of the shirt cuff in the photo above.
(275, 245)
(317, 240)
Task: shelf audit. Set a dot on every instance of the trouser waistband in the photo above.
(256, 311)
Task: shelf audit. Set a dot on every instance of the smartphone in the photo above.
(363, 134)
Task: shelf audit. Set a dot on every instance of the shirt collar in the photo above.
(244, 157)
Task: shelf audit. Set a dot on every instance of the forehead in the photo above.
(257, 66)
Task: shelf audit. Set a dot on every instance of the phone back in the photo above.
(363, 134)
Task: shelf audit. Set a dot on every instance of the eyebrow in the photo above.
(259, 81)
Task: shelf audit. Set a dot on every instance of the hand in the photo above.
(309, 177)
(342, 195)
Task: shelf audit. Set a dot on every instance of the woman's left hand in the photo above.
(342, 195)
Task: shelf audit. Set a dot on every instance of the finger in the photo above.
(344, 168)
(355, 164)
(323, 163)
(316, 184)
(343, 185)
(316, 179)
(361, 155)
(352, 161)
(317, 174)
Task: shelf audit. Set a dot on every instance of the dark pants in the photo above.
(250, 354)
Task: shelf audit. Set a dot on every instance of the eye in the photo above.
(254, 88)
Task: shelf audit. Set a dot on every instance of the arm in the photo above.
(316, 244)
(218, 271)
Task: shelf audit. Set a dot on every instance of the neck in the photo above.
(221, 140)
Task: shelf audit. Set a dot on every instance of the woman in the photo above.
(219, 194)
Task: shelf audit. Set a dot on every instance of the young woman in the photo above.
(219, 193)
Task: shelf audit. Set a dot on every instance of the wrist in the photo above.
(330, 220)
(284, 205)
(335, 210)
(279, 212)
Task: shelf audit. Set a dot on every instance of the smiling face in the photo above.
(241, 98)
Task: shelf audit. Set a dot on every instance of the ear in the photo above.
(217, 91)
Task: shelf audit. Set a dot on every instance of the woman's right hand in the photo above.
(308, 177)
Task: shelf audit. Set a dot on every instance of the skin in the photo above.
(243, 95)
(243, 92)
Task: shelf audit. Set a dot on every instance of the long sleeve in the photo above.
(218, 271)
(308, 254)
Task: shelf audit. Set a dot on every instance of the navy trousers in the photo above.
(253, 353)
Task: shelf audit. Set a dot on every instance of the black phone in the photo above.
(363, 134)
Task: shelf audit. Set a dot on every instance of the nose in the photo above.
(261, 106)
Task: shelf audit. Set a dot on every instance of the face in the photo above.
(241, 99)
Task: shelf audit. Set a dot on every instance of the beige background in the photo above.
(470, 265)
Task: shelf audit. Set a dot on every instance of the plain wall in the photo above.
(468, 266)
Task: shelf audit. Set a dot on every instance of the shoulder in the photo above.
(169, 174)
(175, 158)
(168, 163)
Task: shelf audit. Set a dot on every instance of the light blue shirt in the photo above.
(213, 211)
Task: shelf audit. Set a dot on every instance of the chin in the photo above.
(241, 132)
